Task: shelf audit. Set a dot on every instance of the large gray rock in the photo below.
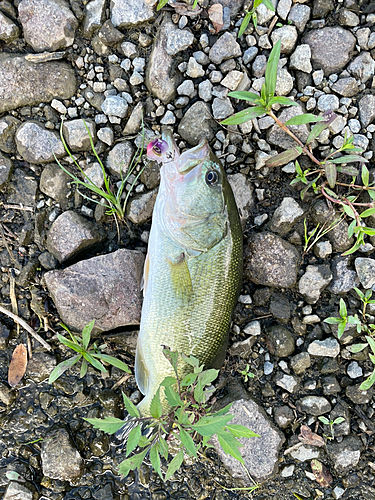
(314, 405)
(285, 216)
(347, 87)
(54, 183)
(130, 13)
(60, 459)
(197, 124)
(76, 134)
(365, 268)
(322, 214)
(280, 341)
(280, 138)
(224, 48)
(38, 145)
(94, 16)
(22, 188)
(313, 282)
(8, 127)
(71, 234)
(8, 30)
(178, 40)
(367, 109)
(344, 278)
(288, 37)
(362, 67)
(330, 48)
(141, 208)
(105, 288)
(47, 24)
(159, 76)
(328, 348)
(260, 454)
(16, 491)
(346, 454)
(44, 82)
(243, 194)
(119, 158)
(271, 261)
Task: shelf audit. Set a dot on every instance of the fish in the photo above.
(193, 268)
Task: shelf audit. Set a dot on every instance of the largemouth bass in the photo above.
(193, 268)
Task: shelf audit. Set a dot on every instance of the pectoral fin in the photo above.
(141, 372)
(181, 279)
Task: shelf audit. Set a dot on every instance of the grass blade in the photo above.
(271, 70)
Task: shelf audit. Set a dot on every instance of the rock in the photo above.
(6, 166)
(234, 6)
(224, 48)
(328, 102)
(286, 382)
(119, 158)
(322, 249)
(105, 135)
(358, 396)
(283, 416)
(313, 282)
(279, 341)
(94, 16)
(362, 67)
(283, 8)
(299, 15)
(8, 30)
(60, 459)
(243, 348)
(330, 386)
(322, 8)
(243, 194)
(8, 127)
(105, 288)
(131, 13)
(354, 370)
(249, 55)
(253, 328)
(347, 87)
(115, 105)
(348, 18)
(280, 307)
(44, 82)
(288, 36)
(304, 453)
(367, 109)
(271, 261)
(54, 183)
(365, 268)
(76, 134)
(178, 41)
(330, 48)
(71, 234)
(140, 208)
(48, 261)
(197, 124)
(22, 188)
(194, 70)
(40, 366)
(300, 363)
(338, 235)
(328, 348)
(6, 395)
(346, 454)
(38, 145)
(300, 59)
(16, 491)
(260, 465)
(344, 279)
(159, 78)
(222, 108)
(284, 82)
(314, 405)
(48, 25)
(135, 120)
(285, 216)
(279, 138)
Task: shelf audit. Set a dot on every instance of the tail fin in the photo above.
(121, 436)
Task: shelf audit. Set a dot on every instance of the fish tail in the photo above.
(121, 436)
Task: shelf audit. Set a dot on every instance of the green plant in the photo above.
(365, 298)
(113, 198)
(344, 319)
(187, 422)
(86, 353)
(315, 235)
(325, 174)
(163, 3)
(246, 373)
(331, 423)
(252, 15)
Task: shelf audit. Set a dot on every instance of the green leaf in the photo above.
(351, 228)
(188, 379)
(70, 344)
(133, 439)
(155, 407)
(371, 343)
(369, 230)
(302, 119)
(244, 95)
(331, 174)
(244, 116)
(333, 321)
(191, 360)
(283, 101)
(198, 392)
(84, 367)
(353, 249)
(86, 333)
(113, 361)
(343, 310)
(208, 376)
(161, 4)
(62, 367)
(356, 348)
(365, 175)
(244, 24)
(329, 117)
(110, 425)
(271, 70)
(348, 159)
(175, 464)
(341, 329)
(338, 420)
(241, 431)
(223, 411)
(269, 5)
(130, 407)
(359, 293)
(324, 420)
(208, 426)
(348, 210)
(188, 442)
(144, 441)
(168, 381)
(132, 463)
(368, 382)
(94, 362)
(348, 170)
(155, 460)
(367, 213)
(284, 157)
(171, 356)
(163, 448)
(172, 397)
(230, 445)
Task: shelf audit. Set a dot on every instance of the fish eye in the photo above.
(211, 177)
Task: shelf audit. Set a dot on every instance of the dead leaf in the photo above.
(215, 13)
(17, 365)
(310, 438)
(321, 473)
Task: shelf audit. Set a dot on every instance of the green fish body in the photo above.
(193, 268)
